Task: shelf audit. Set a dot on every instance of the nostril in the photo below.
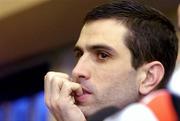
(79, 73)
(81, 77)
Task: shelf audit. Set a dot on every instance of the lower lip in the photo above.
(82, 98)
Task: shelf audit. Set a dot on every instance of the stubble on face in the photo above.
(114, 81)
(118, 94)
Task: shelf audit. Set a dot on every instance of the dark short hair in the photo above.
(152, 36)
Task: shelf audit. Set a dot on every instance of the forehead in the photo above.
(106, 31)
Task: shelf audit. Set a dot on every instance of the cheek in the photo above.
(118, 89)
(116, 78)
(113, 79)
(106, 75)
(109, 75)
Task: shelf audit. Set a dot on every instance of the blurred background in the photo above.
(37, 36)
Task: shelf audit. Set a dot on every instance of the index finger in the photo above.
(69, 87)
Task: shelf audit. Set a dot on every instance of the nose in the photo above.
(81, 71)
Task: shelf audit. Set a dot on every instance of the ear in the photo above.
(151, 75)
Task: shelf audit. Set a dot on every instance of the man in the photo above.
(124, 52)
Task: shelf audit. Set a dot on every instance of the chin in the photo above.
(88, 110)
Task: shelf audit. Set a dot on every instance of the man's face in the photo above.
(104, 67)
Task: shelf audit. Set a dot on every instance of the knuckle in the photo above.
(56, 104)
(57, 81)
(52, 104)
(56, 78)
(67, 85)
(48, 103)
(48, 76)
(64, 75)
(49, 73)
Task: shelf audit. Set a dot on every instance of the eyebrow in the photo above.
(77, 48)
(96, 47)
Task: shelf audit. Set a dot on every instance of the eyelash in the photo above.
(102, 55)
(78, 54)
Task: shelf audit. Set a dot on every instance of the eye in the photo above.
(101, 55)
(78, 54)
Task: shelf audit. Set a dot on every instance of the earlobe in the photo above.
(154, 72)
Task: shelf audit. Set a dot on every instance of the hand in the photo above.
(59, 97)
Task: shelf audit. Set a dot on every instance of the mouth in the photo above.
(80, 99)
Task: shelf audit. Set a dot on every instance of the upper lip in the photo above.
(86, 87)
(85, 90)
